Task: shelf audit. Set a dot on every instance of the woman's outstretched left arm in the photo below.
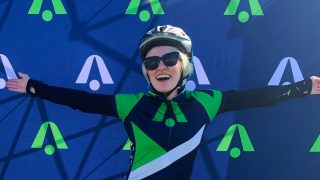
(267, 96)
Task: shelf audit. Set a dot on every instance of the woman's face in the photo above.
(164, 78)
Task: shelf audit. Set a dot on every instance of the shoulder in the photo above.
(209, 99)
(206, 93)
(126, 102)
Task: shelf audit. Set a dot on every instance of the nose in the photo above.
(162, 66)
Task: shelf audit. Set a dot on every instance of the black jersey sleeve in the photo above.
(265, 96)
(76, 99)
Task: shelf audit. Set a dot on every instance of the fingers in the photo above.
(14, 88)
(315, 80)
(22, 75)
(315, 88)
(315, 85)
(12, 83)
(17, 85)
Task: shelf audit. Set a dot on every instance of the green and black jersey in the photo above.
(165, 134)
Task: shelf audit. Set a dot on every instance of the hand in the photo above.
(315, 85)
(18, 85)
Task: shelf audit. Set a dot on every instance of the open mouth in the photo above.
(163, 77)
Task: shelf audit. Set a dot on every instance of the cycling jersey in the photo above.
(165, 134)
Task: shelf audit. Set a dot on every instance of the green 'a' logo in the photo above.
(47, 14)
(243, 15)
(316, 146)
(49, 149)
(144, 15)
(245, 141)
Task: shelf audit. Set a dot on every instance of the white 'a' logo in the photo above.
(103, 70)
(200, 73)
(277, 75)
(8, 70)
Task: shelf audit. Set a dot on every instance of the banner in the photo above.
(93, 46)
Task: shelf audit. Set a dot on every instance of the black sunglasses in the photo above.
(169, 59)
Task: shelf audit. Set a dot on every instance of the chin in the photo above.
(162, 90)
(164, 87)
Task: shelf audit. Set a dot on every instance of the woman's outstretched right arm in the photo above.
(76, 99)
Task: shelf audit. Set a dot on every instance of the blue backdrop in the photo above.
(93, 46)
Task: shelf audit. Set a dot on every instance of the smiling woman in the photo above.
(166, 52)
(166, 124)
(166, 75)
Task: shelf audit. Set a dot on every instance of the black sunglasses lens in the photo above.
(170, 59)
(152, 63)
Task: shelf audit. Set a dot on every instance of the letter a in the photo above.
(245, 140)
(38, 141)
(200, 73)
(277, 75)
(134, 5)
(7, 67)
(103, 70)
(316, 146)
(254, 5)
(57, 5)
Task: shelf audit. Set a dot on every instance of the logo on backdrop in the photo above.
(200, 73)
(127, 145)
(7, 69)
(85, 71)
(145, 15)
(277, 75)
(49, 149)
(316, 146)
(244, 16)
(245, 141)
(47, 14)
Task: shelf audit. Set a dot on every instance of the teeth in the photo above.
(163, 76)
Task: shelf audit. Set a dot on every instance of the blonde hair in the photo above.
(186, 68)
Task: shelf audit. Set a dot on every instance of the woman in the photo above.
(166, 124)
